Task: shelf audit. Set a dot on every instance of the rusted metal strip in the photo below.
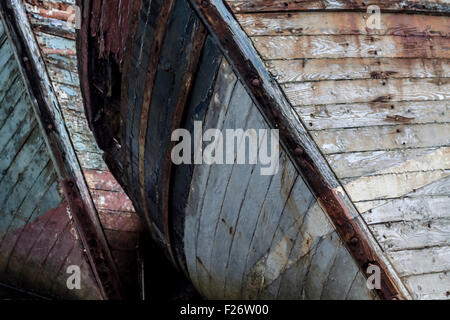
(160, 31)
(61, 150)
(295, 140)
(418, 6)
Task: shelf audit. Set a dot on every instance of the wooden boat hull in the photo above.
(235, 233)
(38, 239)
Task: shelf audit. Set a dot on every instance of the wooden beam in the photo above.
(298, 143)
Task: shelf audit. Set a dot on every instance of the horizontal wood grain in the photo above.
(300, 70)
(332, 116)
(391, 185)
(413, 6)
(341, 23)
(430, 286)
(374, 90)
(356, 164)
(398, 236)
(409, 209)
(382, 138)
(415, 262)
(351, 46)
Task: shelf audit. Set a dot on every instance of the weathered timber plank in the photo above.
(38, 255)
(398, 236)
(219, 177)
(341, 23)
(59, 145)
(416, 262)
(42, 213)
(437, 188)
(300, 70)
(158, 118)
(27, 213)
(236, 188)
(320, 269)
(382, 138)
(214, 118)
(278, 112)
(203, 90)
(110, 200)
(55, 44)
(101, 180)
(138, 59)
(120, 221)
(373, 90)
(14, 145)
(64, 76)
(290, 242)
(23, 186)
(391, 185)
(314, 226)
(243, 234)
(21, 115)
(430, 286)
(23, 214)
(23, 159)
(390, 162)
(340, 277)
(411, 6)
(268, 218)
(409, 209)
(10, 100)
(351, 46)
(374, 114)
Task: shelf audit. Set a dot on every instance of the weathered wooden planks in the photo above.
(357, 115)
(395, 137)
(274, 106)
(34, 223)
(300, 70)
(261, 274)
(213, 118)
(430, 286)
(375, 103)
(231, 252)
(335, 23)
(351, 46)
(374, 90)
(411, 6)
(56, 39)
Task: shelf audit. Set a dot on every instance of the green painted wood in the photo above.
(21, 115)
(10, 99)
